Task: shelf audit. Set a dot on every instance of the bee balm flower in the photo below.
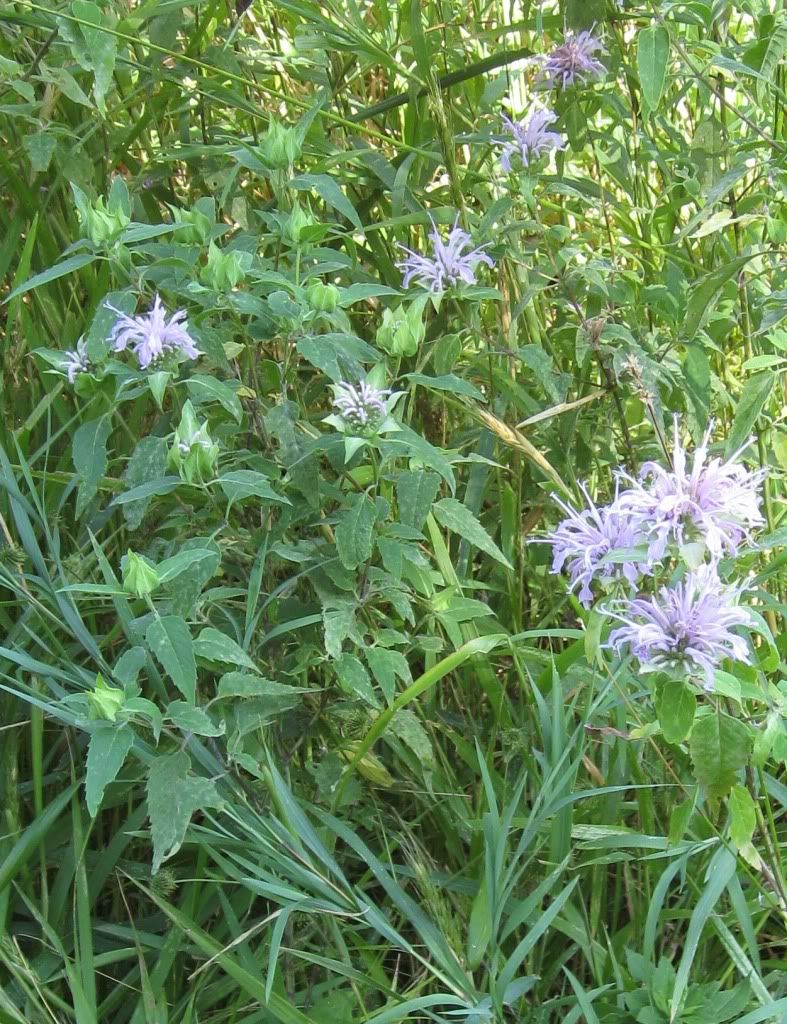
(686, 627)
(573, 61)
(712, 501)
(153, 334)
(530, 139)
(450, 265)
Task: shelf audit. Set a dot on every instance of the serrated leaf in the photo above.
(416, 492)
(238, 684)
(705, 292)
(40, 147)
(458, 518)
(330, 192)
(148, 462)
(676, 705)
(355, 530)
(101, 47)
(169, 638)
(66, 266)
(719, 748)
(386, 666)
(756, 392)
(90, 459)
(653, 47)
(213, 645)
(246, 483)
(339, 623)
(205, 390)
(174, 795)
(743, 816)
(107, 751)
(192, 719)
(355, 679)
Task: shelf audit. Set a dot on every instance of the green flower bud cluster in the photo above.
(225, 269)
(402, 330)
(193, 453)
(279, 148)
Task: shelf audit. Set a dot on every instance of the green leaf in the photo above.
(238, 684)
(39, 147)
(147, 463)
(106, 754)
(338, 619)
(705, 292)
(90, 459)
(174, 794)
(67, 266)
(386, 666)
(331, 193)
(355, 530)
(355, 679)
(743, 815)
(447, 382)
(756, 392)
(680, 816)
(676, 705)
(458, 518)
(205, 390)
(169, 638)
(653, 48)
(101, 46)
(720, 747)
(214, 645)
(191, 719)
(415, 492)
(171, 568)
(247, 483)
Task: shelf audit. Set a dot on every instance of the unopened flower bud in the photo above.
(323, 297)
(139, 577)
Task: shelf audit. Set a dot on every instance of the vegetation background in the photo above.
(358, 756)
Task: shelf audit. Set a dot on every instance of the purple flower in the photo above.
(574, 61)
(686, 627)
(152, 334)
(583, 540)
(530, 138)
(362, 407)
(713, 501)
(76, 361)
(450, 264)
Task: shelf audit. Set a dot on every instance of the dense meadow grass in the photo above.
(392, 522)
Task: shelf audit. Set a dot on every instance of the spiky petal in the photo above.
(686, 627)
(582, 541)
(574, 61)
(530, 139)
(152, 334)
(76, 361)
(714, 501)
(450, 264)
(361, 406)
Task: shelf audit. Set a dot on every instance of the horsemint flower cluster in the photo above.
(152, 334)
(700, 510)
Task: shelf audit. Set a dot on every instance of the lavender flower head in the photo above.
(76, 361)
(713, 501)
(531, 138)
(584, 539)
(686, 627)
(449, 265)
(573, 61)
(152, 334)
(362, 407)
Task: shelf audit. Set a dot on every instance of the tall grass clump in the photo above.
(392, 523)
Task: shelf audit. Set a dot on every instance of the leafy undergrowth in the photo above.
(391, 503)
